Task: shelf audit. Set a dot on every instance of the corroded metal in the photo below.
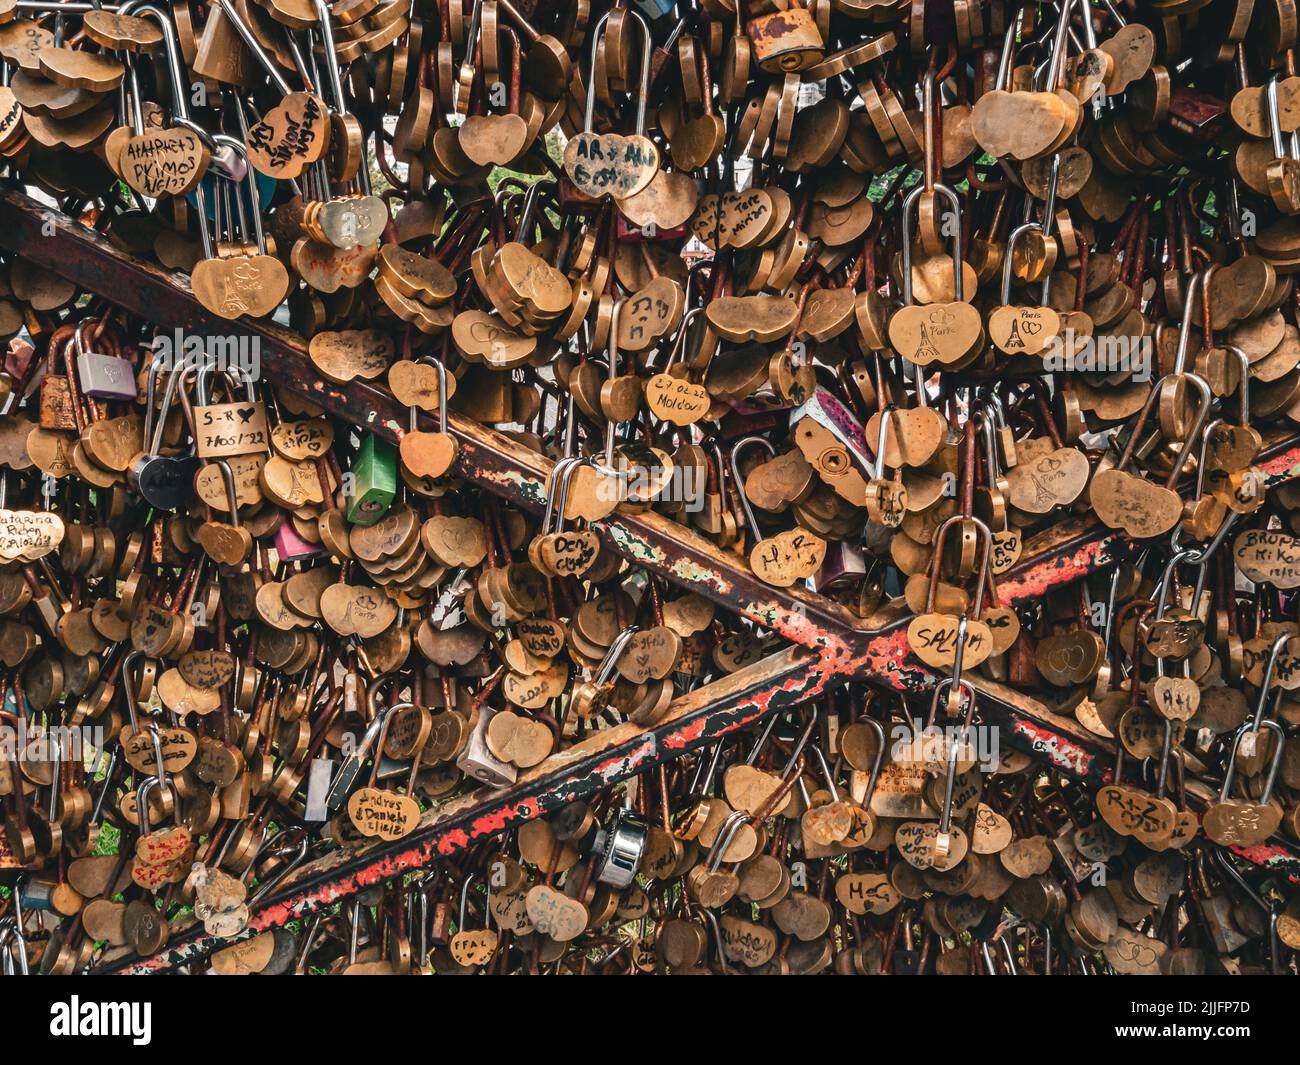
(842, 646)
(781, 681)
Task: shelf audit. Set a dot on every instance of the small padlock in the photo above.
(103, 376)
(479, 762)
(374, 475)
(290, 547)
(225, 429)
(57, 404)
(618, 850)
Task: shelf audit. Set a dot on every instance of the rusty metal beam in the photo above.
(492, 460)
(1067, 552)
(844, 645)
(778, 682)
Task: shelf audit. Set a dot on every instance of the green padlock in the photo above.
(374, 481)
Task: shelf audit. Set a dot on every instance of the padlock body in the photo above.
(375, 478)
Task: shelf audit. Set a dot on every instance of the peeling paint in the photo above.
(1272, 856)
(1281, 467)
(1037, 580)
(1059, 751)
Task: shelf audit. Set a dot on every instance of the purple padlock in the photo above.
(845, 563)
(103, 376)
(290, 547)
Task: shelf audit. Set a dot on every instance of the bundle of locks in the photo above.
(734, 486)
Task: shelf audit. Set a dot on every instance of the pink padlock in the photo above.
(290, 547)
(630, 234)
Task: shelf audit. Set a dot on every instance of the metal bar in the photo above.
(873, 649)
(502, 466)
(778, 682)
(1067, 552)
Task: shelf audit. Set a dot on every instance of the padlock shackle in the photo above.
(882, 432)
(1230, 772)
(565, 481)
(1274, 117)
(1058, 49)
(826, 772)
(142, 791)
(1013, 238)
(737, 448)
(1196, 284)
(611, 355)
(726, 834)
(616, 649)
(1003, 78)
(1243, 391)
(558, 472)
(879, 730)
(1270, 665)
(986, 557)
(331, 56)
(255, 46)
(597, 35)
(276, 878)
(1167, 578)
(171, 47)
(712, 918)
(232, 496)
(235, 145)
(464, 902)
(950, 781)
(909, 202)
(128, 687)
(679, 343)
(375, 688)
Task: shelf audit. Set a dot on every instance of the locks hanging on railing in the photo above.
(849, 535)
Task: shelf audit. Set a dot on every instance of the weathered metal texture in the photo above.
(1025, 722)
(492, 460)
(1275, 857)
(1065, 553)
(781, 681)
(845, 646)
(1062, 554)
(1280, 462)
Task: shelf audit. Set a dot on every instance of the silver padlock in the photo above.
(480, 763)
(102, 376)
(618, 850)
(341, 786)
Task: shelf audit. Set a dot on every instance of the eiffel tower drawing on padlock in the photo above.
(1014, 339)
(926, 352)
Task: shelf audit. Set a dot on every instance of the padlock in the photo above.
(103, 376)
(57, 401)
(374, 481)
(479, 762)
(617, 850)
(291, 547)
(163, 481)
(234, 428)
(785, 41)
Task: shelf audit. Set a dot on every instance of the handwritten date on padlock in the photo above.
(223, 429)
(1268, 557)
(384, 814)
(163, 162)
